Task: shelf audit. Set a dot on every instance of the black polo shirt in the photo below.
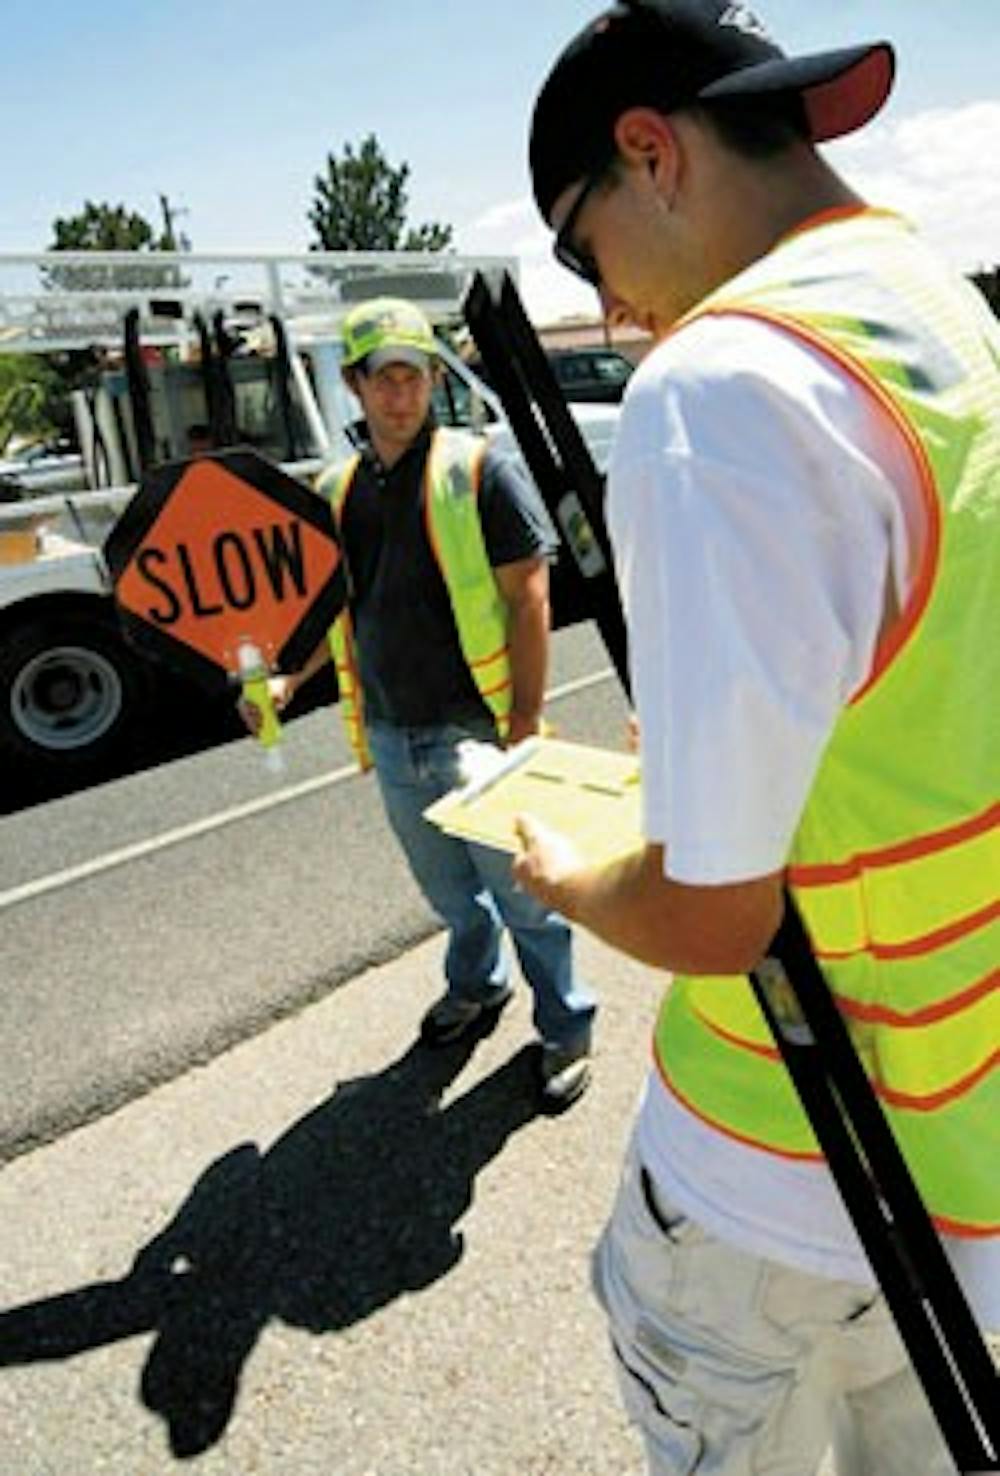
(413, 673)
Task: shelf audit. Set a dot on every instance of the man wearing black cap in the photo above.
(804, 505)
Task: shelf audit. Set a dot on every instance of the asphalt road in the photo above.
(153, 921)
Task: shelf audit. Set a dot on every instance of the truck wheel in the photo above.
(71, 691)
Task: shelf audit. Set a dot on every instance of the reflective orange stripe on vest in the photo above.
(906, 899)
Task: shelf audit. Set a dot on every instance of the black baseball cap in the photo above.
(669, 54)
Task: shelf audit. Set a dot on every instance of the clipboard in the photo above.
(592, 795)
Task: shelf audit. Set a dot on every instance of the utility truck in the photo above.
(176, 354)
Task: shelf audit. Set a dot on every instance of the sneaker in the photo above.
(451, 1019)
(565, 1074)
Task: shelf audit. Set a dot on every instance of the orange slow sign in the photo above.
(224, 548)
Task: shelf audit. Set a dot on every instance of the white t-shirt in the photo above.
(761, 508)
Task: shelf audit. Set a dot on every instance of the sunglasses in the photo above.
(581, 263)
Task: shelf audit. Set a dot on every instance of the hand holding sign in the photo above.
(280, 691)
(225, 547)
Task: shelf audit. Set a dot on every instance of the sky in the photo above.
(230, 107)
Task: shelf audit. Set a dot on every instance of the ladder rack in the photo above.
(56, 301)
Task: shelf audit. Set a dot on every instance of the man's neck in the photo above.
(769, 204)
(389, 452)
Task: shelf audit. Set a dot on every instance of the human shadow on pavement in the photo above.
(355, 1204)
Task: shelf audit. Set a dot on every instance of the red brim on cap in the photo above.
(841, 90)
(849, 101)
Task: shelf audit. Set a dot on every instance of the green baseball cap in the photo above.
(387, 330)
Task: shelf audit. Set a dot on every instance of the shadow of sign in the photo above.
(355, 1204)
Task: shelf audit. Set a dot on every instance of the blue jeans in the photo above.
(471, 887)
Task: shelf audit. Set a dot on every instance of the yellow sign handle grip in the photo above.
(257, 690)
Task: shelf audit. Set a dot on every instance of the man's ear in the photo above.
(350, 378)
(646, 139)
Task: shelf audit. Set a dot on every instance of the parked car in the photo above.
(585, 374)
(591, 373)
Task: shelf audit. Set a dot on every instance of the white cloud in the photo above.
(508, 215)
(514, 228)
(940, 168)
(505, 219)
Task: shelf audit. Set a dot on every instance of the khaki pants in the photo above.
(731, 1365)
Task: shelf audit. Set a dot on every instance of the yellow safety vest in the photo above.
(455, 534)
(896, 861)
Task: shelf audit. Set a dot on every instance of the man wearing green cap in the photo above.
(445, 643)
(804, 505)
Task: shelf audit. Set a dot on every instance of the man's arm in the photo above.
(524, 586)
(309, 668)
(632, 906)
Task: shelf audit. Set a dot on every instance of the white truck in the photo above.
(183, 351)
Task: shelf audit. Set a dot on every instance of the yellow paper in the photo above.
(590, 794)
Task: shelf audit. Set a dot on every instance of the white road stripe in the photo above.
(86, 869)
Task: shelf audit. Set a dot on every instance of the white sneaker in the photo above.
(565, 1073)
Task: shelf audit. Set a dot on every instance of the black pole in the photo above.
(137, 378)
(928, 1305)
(557, 458)
(282, 371)
(225, 395)
(209, 381)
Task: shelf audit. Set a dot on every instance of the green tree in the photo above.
(103, 228)
(30, 392)
(360, 205)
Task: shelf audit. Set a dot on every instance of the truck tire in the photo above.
(71, 692)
